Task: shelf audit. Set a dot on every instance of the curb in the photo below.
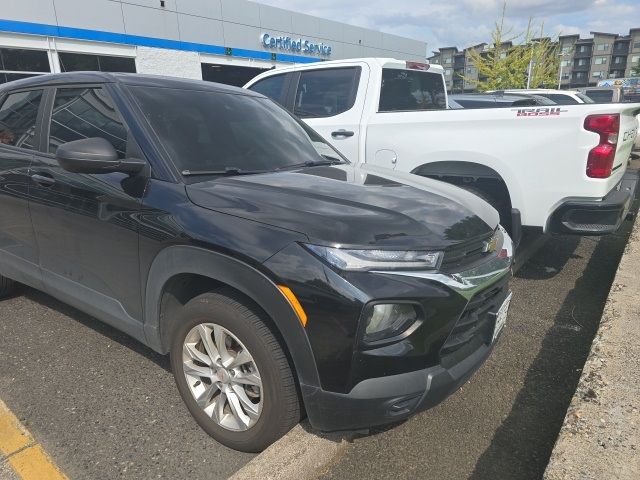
(299, 455)
(600, 438)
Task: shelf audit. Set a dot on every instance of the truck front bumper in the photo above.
(595, 217)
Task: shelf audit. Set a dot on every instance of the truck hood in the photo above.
(352, 206)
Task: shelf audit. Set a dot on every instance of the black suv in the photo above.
(208, 223)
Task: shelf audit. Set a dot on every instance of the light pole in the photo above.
(561, 55)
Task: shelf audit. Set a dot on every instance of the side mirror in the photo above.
(95, 155)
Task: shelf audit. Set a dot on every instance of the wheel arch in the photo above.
(179, 262)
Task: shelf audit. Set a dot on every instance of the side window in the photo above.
(272, 87)
(411, 90)
(324, 93)
(18, 116)
(85, 113)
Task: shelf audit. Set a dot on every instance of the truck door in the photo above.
(331, 101)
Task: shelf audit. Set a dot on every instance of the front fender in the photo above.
(177, 260)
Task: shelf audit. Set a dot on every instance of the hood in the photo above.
(353, 206)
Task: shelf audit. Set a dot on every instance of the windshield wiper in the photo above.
(314, 163)
(231, 171)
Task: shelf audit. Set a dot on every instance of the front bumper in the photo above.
(595, 217)
(385, 399)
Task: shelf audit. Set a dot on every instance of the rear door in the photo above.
(331, 101)
(19, 129)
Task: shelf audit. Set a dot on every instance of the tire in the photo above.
(224, 314)
(503, 210)
(7, 286)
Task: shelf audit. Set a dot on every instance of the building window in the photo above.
(580, 75)
(565, 63)
(597, 74)
(565, 76)
(446, 60)
(583, 48)
(503, 55)
(469, 70)
(582, 62)
(229, 74)
(75, 62)
(599, 60)
(18, 117)
(618, 59)
(635, 59)
(17, 63)
(602, 47)
(565, 50)
(447, 72)
(636, 44)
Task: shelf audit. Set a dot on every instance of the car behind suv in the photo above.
(208, 223)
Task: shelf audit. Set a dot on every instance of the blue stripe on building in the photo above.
(136, 40)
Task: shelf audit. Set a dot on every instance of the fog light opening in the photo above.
(387, 320)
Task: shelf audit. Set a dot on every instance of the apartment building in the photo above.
(583, 61)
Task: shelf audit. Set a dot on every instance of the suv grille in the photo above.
(475, 326)
(461, 257)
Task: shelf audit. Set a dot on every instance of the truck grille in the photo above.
(474, 328)
(461, 257)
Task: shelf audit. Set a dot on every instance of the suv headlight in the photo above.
(362, 260)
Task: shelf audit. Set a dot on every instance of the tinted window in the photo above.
(85, 113)
(272, 87)
(14, 61)
(210, 131)
(229, 74)
(324, 93)
(584, 98)
(600, 96)
(407, 90)
(559, 99)
(18, 116)
(476, 103)
(75, 62)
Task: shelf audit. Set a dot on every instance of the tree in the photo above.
(507, 65)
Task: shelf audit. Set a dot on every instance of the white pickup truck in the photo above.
(560, 168)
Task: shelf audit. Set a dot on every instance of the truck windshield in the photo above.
(228, 133)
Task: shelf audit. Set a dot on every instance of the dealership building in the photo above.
(227, 41)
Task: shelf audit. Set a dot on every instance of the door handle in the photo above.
(342, 133)
(43, 179)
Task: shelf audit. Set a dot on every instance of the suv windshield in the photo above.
(214, 133)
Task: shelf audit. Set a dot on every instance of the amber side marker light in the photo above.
(286, 291)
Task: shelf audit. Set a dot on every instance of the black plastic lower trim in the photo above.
(595, 217)
(383, 400)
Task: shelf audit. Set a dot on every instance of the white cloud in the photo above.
(466, 22)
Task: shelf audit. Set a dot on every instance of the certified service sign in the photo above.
(299, 45)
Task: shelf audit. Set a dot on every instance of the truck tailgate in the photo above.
(628, 132)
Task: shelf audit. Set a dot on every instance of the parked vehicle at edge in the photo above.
(496, 100)
(208, 223)
(559, 168)
(559, 97)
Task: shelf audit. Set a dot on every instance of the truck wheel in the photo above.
(6, 286)
(232, 373)
(503, 210)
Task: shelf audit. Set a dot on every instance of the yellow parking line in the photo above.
(27, 458)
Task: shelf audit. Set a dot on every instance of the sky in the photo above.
(461, 23)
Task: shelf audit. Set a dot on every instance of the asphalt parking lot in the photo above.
(104, 406)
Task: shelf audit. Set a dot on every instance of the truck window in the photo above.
(18, 117)
(327, 92)
(600, 96)
(272, 87)
(559, 99)
(408, 90)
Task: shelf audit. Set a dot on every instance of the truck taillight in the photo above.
(600, 160)
(418, 66)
